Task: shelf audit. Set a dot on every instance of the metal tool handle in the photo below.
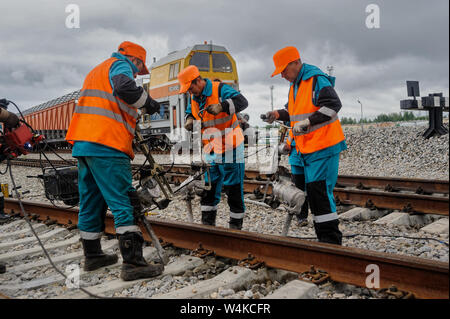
(264, 118)
(162, 256)
(161, 180)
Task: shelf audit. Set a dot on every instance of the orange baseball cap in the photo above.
(283, 57)
(133, 49)
(186, 76)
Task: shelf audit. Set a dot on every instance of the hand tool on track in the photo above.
(162, 256)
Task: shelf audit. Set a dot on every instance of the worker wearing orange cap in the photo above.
(215, 105)
(101, 131)
(316, 137)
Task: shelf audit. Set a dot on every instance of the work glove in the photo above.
(151, 106)
(12, 121)
(189, 125)
(271, 116)
(214, 109)
(284, 149)
(301, 126)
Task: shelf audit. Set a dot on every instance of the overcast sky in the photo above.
(41, 59)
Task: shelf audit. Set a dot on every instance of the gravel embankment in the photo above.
(395, 151)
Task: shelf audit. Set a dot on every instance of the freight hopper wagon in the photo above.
(52, 118)
(213, 61)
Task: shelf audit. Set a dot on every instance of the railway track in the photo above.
(407, 195)
(222, 250)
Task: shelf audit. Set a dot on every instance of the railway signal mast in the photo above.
(434, 103)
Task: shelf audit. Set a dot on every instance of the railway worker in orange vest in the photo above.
(215, 105)
(102, 131)
(312, 111)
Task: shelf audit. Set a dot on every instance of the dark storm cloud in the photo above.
(41, 59)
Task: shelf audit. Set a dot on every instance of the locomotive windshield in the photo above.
(201, 60)
(221, 63)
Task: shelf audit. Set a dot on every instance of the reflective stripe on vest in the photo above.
(99, 116)
(107, 96)
(319, 136)
(223, 128)
(312, 127)
(100, 111)
(215, 122)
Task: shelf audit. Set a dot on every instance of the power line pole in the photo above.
(361, 121)
(271, 96)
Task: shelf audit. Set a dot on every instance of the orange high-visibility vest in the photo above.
(220, 132)
(100, 117)
(319, 136)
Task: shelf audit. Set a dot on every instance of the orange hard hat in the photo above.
(186, 76)
(283, 57)
(133, 49)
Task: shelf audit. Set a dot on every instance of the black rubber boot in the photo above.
(209, 217)
(134, 265)
(95, 258)
(328, 232)
(236, 223)
(2, 268)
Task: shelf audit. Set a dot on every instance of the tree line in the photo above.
(391, 117)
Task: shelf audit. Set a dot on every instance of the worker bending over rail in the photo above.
(215, 105)
(312, 111)
(101, 131)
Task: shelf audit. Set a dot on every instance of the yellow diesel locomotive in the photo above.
(213, 61)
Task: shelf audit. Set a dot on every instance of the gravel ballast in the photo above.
(378, 151)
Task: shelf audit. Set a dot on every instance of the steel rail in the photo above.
(424, 278)
(395, 184)
(385, 200)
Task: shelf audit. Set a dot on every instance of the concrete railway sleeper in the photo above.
(186, 276)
